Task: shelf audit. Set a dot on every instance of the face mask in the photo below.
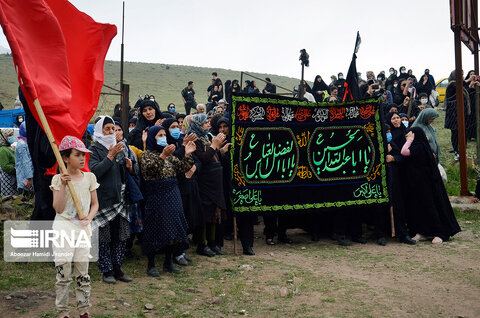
(395, 85)
(405, 123)
(391, 72)
(130, 129)
(175, 132)
(389, 137)
(424, 101)
(172, 109)
(20, 120)
(340, 77)
(403, 71)
(11, 139)
(152, 99)
(162, 141)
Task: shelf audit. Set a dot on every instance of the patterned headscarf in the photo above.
(196, 124)
(186, 124)
(4, 133)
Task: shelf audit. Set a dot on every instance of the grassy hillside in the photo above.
(163, 81)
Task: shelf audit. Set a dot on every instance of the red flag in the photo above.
(59, 53)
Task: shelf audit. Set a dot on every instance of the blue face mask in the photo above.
(172, 109)
(162, 141)
(11, 139)
(389, 137)
(175, 132)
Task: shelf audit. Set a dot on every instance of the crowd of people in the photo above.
(165, 184)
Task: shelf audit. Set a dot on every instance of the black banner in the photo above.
(291, 155)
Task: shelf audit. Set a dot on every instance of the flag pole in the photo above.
(58, 156)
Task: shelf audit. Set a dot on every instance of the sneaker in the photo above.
(359, 239)
(342, 240)
(153, 272)
(187, 258)
(457, 156)
(382, 241)
(109, 279)
(181, 261)
(205, 251)
(407, 240)
(170, 268)
(248, 251)
(217, 250)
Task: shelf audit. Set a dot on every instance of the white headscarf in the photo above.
(104, 140)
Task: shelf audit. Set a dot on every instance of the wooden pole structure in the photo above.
(392, 221)
(235, 244)
(462, 147)
(61, 164)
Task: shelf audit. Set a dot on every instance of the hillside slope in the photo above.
(163, 81)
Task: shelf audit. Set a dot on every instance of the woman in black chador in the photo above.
(430, 213)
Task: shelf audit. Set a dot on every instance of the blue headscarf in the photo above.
(152, 141)
(196, 124)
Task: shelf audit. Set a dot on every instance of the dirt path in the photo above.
(304, 279)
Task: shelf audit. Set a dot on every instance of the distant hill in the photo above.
(163, 81)
(4, 50)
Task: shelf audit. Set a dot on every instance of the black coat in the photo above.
(451, 105)
(429, 210)
(109, 175)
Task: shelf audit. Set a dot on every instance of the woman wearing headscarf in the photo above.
(165, 227)
(148, 116)
(188, 185)
(133, 194)
(451, 110)
(424, 85)
(470, 120)
(19, 120)
(424, 121)
(174, 137)
(110, 166)
(8, 179)
(210, 182)
(394, 160)
(23, 163)
(430, 213)
(319, 88)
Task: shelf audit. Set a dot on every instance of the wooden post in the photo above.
(61, 164)
(235, 246)
(462, 147)
(392, 221)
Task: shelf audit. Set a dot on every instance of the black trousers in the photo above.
(245, 223)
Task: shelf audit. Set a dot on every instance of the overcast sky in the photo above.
(266, 36)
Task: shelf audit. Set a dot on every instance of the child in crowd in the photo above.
(85, 184)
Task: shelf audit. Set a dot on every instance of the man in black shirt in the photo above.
(269, 88)
(188, 97)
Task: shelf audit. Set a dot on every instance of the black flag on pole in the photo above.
(352, 92)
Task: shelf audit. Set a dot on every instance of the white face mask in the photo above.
(405, 123)
(403, 71)
(395, 85)
(424, 101)
(20, 120)
(340, 77)
(391, 72)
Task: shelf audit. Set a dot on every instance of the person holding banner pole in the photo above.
(394, 160)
